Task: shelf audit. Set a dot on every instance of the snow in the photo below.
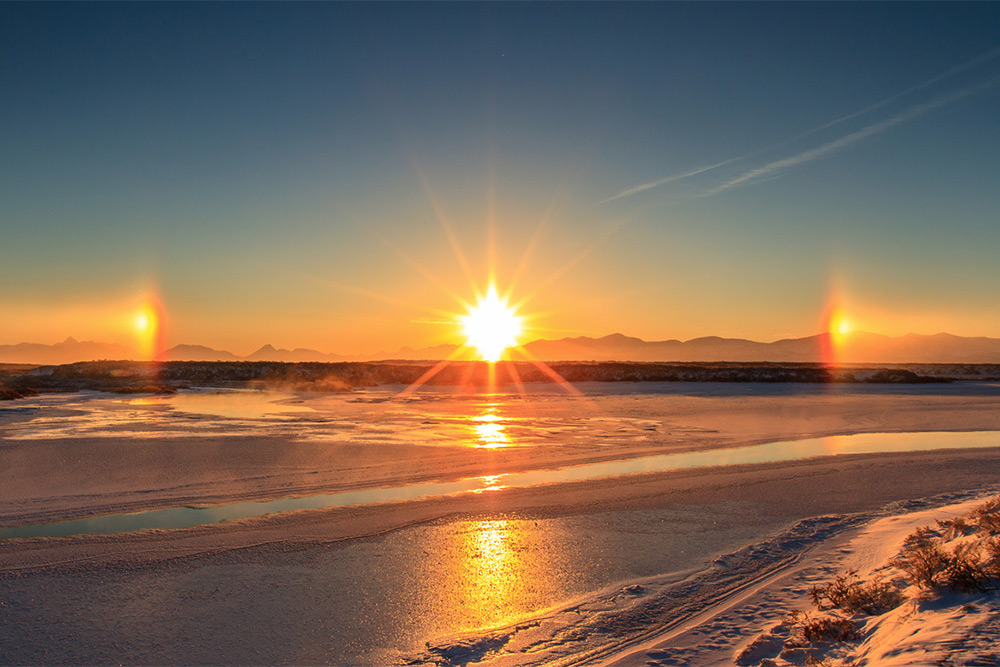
(932, 627)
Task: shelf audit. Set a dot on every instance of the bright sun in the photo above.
(491, 326)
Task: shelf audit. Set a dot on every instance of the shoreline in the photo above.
(772, 453)
(120, 469)
(840, 484)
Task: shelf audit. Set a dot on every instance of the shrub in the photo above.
(965, 571)
(928, 564)
(853, 596)
(814, 661)
(956, 527)
(922, 559)
(986, 517)
(992, 566)
(823, 628)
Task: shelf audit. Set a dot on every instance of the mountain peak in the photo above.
(618, 339)
(70, 341)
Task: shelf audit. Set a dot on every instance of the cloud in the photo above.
(989, 55)
(849, 139)
(669, 179)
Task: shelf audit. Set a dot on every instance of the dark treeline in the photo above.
(166, 377)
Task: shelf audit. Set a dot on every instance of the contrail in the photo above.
(669, 179)
(853, 138)
(989, 55)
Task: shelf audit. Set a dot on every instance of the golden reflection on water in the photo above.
(489, 429)
(490, 483)
(494, 570)
(146, 401)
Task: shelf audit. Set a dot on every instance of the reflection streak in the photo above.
(489, 429)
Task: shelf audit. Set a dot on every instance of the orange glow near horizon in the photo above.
(491, 326)
(148, 323)
(838, 328)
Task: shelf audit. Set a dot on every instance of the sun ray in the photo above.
(430, 373)
(430, 277)
(549, 372)
(491, 226)
(515, 377)
(446, 315)
(445, 225)
(467, 374)
(561, 271)
(522, 264)
(560, 193)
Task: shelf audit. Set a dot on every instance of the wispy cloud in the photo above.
(957, 69)
(821, 151)
(669, 179)
(849, 139)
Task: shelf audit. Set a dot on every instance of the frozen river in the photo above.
(556, 513)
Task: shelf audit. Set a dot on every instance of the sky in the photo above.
(344, 177)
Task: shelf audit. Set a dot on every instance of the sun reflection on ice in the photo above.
(491, 570)
(490, 432)
(490, 429)
(497, 570)
(490, 483)
(146, 401)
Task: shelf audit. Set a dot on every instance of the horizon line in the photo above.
(856, 332)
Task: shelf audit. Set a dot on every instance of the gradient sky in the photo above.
(291, 173)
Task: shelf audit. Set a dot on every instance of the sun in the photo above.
(491, 326)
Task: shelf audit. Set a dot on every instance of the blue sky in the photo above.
(279, 172)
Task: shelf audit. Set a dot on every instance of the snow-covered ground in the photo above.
(742, 610)
(935, 625)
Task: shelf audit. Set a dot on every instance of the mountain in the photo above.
(198, 353)
(856, 347)
(66, 352)
(422, 354)
(299, 354)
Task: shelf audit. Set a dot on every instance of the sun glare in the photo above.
(147, 324)
(491, 326)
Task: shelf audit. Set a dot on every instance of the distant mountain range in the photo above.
(265, 353)
(856, 347)
(66, 352)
